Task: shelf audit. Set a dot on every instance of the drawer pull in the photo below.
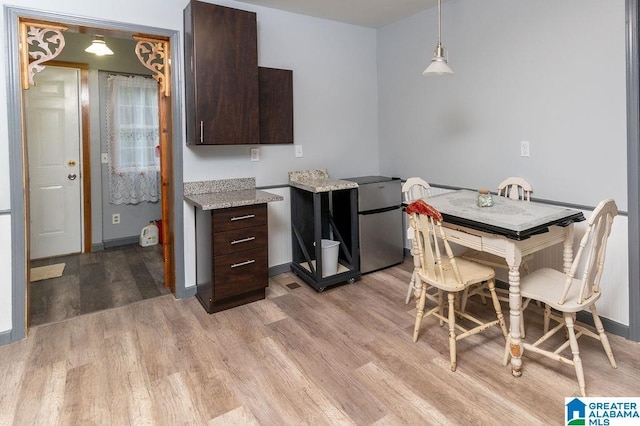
(248, 262)
(249, 216)
(201, 132)
(244, 240)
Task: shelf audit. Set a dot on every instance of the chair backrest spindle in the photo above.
(432, 239)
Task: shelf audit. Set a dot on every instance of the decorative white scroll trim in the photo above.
(154, 55)
(41, 43)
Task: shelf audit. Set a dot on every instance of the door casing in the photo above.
(17, 154)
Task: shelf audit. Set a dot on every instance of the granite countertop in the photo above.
(226, 193)
(318, 181)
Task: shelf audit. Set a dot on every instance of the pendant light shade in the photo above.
(99, 47)
(438, 64)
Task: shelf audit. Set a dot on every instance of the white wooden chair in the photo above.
(570, 293)
(449, 275)
(414, 189)
(515, 188)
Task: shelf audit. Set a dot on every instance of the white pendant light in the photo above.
(99, 47)
(438, 64)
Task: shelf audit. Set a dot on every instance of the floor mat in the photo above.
(46, 272)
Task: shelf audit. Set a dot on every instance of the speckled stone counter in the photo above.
(318, 181)
(225, 193)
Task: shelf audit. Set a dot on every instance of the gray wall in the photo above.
(124, 60)
(548, 72)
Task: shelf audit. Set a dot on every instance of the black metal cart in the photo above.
(312, 219)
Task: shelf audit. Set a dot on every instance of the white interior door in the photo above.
(53, 141)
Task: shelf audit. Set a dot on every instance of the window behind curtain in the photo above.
(132, 129)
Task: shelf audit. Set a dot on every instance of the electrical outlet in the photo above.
(115, 218)
(524, 149)
(255, 154)
(298, 151)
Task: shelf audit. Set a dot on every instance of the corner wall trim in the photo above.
(279, 269)
(189, 292)
(5, 337)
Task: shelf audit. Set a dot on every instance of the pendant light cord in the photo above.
(438, 22)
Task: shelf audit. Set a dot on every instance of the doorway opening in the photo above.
(170, 153)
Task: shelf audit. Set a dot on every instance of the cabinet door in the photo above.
(221, 75)
(276, 105)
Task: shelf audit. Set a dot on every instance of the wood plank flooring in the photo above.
(344, 356)
(96, 281)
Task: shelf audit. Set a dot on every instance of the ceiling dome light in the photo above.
(99, 47)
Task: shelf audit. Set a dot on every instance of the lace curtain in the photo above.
(132, 131)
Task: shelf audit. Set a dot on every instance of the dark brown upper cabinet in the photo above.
(221, 75)
(276, 106)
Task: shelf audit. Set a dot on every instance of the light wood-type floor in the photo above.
(343, 357)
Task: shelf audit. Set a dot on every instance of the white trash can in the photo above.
(330, 251)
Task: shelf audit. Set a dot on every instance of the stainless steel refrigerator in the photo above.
(380, 222)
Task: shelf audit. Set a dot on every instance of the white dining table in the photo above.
(510, 229)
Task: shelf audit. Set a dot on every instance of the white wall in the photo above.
(5, 272)
(550, 72)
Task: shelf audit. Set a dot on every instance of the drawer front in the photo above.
(238, 217)
(238, 273)
(465, 239)
(239, 240)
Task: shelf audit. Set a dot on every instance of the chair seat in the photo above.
(547, 284)
(470, 273)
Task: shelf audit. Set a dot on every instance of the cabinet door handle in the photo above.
(249, 216)
(248, 262)
(244, 240)
(201, 132)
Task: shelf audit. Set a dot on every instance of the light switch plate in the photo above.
(255, 154)
(524, 149)
(104, 158)
(298, 151)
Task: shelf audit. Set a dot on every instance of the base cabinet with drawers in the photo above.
(233, 267)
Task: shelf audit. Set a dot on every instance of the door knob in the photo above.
(72, 176)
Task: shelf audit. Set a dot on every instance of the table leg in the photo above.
(515, 302)
(567, 252)
(514, 259)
